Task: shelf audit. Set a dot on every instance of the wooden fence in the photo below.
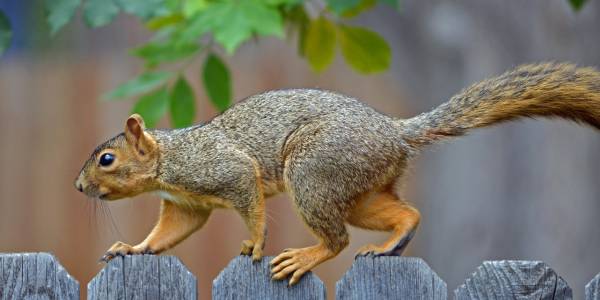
(40, 276)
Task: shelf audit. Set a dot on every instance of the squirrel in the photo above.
(337, 158)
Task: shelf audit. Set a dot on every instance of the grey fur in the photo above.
(329, 151)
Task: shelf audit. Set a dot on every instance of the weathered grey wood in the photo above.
(388, 277)
(592, 289)
(243, 279)
(143, 277)
(35, 276)
(508, 279)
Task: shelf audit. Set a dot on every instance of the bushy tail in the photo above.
(546, 90)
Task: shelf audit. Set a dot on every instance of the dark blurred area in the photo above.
(524, 190)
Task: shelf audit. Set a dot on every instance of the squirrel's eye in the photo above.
(106, 159)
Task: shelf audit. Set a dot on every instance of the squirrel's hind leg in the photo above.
(326, 226)
(384, 211)
(322, 210)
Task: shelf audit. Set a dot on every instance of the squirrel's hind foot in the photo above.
(395, 249)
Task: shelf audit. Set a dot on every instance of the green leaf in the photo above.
(232, 29)
(99, 12)
(392, 3)
(5, 32)
(59, 13)
(234, 22)
(164, 21)
(298, 20)
(341, 6)
(364, 50)
(577, 4)
(319, 44)
(217, 82)
(283, 2)
(152, 106)
(182, 104)
(263, 19)
(141, 8)
(191, 7)
(363, 6)
(154, 53)
(138, 85)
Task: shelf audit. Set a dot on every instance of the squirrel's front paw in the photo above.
(122, 249)
(250, 248)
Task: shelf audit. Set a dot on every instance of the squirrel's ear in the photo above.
(134, 127)
(136, 136)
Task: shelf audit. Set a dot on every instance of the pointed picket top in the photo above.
(592, 289)
(143, 277)
(35, 276)
(244, 279)
(387, 277)
(513, 279)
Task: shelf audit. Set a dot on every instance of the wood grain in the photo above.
(243, 279)
(592, 289)
(390, 278)
(143, 277)
(508, 279)
(35, 276)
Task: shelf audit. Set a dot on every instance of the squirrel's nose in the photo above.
(79, 185)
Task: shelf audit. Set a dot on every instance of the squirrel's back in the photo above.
(262, 123)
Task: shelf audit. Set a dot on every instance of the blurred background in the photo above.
(524, 190)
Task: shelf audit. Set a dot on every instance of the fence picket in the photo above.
(592, 289)
(390, 278)
(40, 276)
(243, 279)
(35, 276)
(143, 277)
(508, 279)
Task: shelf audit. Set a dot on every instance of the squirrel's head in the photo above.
(123, 166)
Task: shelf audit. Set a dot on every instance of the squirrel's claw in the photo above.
(296, 262)
(375, 251)
(395, 250)
(122, 249)
(365, 254)
(105, 258)
(249, 248)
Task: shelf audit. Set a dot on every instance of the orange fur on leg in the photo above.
(385, 212)
(174, 225)
(256, 223)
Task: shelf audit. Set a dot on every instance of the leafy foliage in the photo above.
(140, 84)
(341, 6)
(60, 12)
(577, 4)
(5, 32)
(182, 104)
(99, 12)
(365, 50)
(187, 29)
(217, 82)
(234, 22)
(319, 43)
(157, 53)
(153, 106)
